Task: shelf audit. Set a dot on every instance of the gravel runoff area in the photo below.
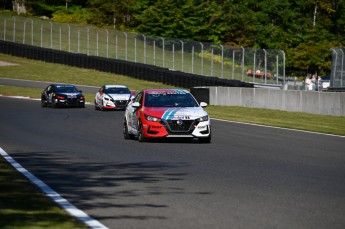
(4, 63)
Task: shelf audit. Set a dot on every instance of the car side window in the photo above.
(50, 89)
(138, 98)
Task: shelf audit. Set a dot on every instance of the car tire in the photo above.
(82, 105)
(96, 106)
(53, 104)
(126, 135)
(141, 137)
(43, 102)
(102, 107)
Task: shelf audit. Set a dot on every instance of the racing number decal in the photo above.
(183, 117)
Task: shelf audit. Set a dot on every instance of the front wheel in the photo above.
(102, 107)
(141, 137)
(126, 135)
(96, 106)
(43, 102)
(54, 105)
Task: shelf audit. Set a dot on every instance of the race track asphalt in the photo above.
(248, 177)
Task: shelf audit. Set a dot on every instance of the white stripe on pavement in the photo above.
(65, 204)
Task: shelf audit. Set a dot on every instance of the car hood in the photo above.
(175, 113)
(74, 94)
(120, 96)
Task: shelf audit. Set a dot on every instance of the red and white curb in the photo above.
(57, 198)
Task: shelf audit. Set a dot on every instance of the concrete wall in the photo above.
(325, 103)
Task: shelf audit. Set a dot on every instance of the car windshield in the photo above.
(170, 100)
(117, 90)
(66, 89)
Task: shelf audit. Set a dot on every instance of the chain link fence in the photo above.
(338, 68)
(261, 66)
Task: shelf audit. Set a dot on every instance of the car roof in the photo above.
(62, 85)
(162, 90)
(114, 85)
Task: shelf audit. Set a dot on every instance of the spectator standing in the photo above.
(307, 83)
(319, 83)
(313, 83)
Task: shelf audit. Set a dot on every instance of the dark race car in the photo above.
(67, 95)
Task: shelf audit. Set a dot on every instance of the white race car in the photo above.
(112, 97)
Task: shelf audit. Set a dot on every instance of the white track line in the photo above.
(65, 204)
(282, 128)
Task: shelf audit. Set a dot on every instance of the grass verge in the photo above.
(23, 205)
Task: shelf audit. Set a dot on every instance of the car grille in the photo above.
(121, 103)
(173, 126)
(72, 101)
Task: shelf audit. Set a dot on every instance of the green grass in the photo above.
(42, 71)
(23, 206)
(292, 120)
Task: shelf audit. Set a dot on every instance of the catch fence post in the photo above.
(202, 58)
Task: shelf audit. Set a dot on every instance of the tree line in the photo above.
(304, 29)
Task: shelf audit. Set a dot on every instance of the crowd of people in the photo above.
(313, 83)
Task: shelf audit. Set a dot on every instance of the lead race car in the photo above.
(112, 97)
(164, 113)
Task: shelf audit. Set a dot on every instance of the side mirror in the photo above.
(203, 104)
(136, 104)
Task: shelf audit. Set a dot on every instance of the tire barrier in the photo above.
(131, 69)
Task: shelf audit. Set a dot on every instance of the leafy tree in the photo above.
(304, 29)
(5, 5)
(48, 7)
(185, 19)
(72, 15)
(111, 12)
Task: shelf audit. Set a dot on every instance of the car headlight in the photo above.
(106, 98)
(152, 118)
(203, 119)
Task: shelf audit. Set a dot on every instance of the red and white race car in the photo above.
(111, 97)
(160, 113)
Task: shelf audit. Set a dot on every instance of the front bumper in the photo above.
(70, 102)
(176, 129)
(115, 104)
